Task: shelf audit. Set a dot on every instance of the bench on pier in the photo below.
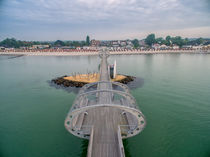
(78, 121)
(131, 121)
(129, 117)
(124, 102)
(83, 102)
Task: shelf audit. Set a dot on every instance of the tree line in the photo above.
(169, 41)
(13, 43)
(150, 40)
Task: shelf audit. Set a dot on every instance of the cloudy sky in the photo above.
(103, 19)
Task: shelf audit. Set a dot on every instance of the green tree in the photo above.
(168, 40)
(88, 40)
(11, 43)
(135, 43)
(196, 41)
(186, 41)
(200, 41)
(178, 41)
(82, 43)
(150, 39)
(160, 40)
(59, 43)
(76, 44)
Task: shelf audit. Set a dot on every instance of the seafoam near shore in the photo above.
(111, 52)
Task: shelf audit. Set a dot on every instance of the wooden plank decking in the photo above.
(105, 120)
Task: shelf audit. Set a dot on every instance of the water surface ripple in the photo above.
(173, 94)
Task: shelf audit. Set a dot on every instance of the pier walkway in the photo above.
(104, 112)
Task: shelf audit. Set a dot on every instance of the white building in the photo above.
(197, 47)
(40, 46)
(164, 47)
(156, 46)
(2, 48)
(175, 47)
(187, 46)
(123, 43)
(207, 46)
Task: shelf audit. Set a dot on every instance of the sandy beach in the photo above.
(90, 53)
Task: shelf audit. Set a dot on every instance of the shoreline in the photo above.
(93, 53)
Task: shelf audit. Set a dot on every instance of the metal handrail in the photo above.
(107, 90)
(115, 83)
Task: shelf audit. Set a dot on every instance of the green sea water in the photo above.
(174, 97)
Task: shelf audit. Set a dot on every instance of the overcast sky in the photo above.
(103, 19)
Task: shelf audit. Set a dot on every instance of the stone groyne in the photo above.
(76, 81)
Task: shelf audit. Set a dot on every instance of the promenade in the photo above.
(90, 53)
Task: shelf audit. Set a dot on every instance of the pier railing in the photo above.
(103, 112)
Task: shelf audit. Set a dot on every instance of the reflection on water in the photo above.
(5, 57)
(137, 83)
(126, 148)
(84, 148)
(75, 90)
(16, 56)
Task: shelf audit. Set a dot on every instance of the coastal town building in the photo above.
(129, 47)
(175, 47)
(65, 47)
(164, 47)
(115, 43)
(89, 48)
(206, 46)
(23, 48)
(187, 46)
(2, 48)
(156, 46)
(129, 42)
(95, 43)
(197, 47)
(142, 43)
(40, 46)
(9, 49)
(104, 43)
(123, 43)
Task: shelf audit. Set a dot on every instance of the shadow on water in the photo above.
(126, 148)
(137, 83)
(17, 56)
(84, 148)
(11, 57)
(207, 153)
(67, 89)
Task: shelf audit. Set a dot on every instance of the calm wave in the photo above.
(173, 91)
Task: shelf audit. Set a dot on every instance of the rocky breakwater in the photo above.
(67, 83)
(127, 79)
(61, 81)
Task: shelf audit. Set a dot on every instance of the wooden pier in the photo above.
(104, 115)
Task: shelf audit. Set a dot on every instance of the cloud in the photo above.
(104, 15)
(83, 9)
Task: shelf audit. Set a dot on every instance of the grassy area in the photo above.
(90, 78)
